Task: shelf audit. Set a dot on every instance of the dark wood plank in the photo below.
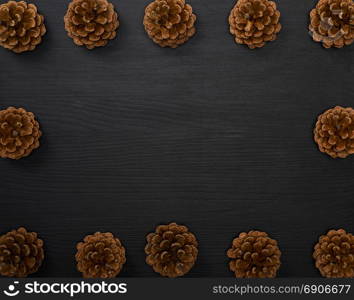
(211, 135)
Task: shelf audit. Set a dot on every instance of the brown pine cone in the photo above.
(91, 23)
(21, 253)
(334, 254)
(254, 255)
(169, 23)
(171, 250)
(334, 132)
(19, 133)
(254, 22)
(100, 255)
(332, 23)
(21, 26)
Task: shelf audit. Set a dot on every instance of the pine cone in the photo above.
(334, 254)
(19, 133)
(21, 253)
(332, 23)
(171, 250)
(254, 22)
(91, 23)
(254, 255)
(21, 26)
(101, 255)
(334, 132)
(169, 23)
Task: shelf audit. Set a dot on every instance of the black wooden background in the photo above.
(211, 135)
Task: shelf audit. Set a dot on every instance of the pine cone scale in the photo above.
(21, 253)
(19, 133)
(334, 254)
(171, 250)
(18, 21)
(334, 132)
(91, 23)
(169, 23)
(100, 255)
(254, 254)
(331, 23)
(254, 22)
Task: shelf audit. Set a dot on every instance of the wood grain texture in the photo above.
(211, 135)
